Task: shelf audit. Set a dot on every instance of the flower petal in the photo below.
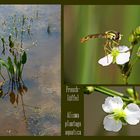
(122, 58)
(110, 124)
(123, 49)
(132, 114)
(112, 103)
(105, 61)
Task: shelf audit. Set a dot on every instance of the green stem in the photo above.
(134, 93)
(110, 92)
(22, 70)
(125, 77)
(135, 60)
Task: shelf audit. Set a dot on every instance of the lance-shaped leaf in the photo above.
(11, 43)
(3, 40)
(11, 66)
(24, 58)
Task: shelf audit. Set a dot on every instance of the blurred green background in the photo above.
(81, 59)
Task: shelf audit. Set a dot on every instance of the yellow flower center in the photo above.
(119, 114)
(115, 52)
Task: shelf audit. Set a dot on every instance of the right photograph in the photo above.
(111, 111)
(102, 44)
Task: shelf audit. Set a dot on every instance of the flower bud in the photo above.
(132, 38)
(137, 30)
(130, 91)
(88, 89)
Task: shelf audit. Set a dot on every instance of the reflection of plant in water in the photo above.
(14, 56)
(123, 109)
(125, 57)
(14, 62)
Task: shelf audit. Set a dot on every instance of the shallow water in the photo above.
(38, 110)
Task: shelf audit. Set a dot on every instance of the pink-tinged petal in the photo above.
(112, 103)
(105, 61)
(110, 124)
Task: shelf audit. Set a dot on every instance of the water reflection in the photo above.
(32, 105)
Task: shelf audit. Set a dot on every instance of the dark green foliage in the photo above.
(11, 66)
(24, 58)
(11, 43)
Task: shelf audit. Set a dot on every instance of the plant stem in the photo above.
(110, 92)
(134, 93)
(125, 79)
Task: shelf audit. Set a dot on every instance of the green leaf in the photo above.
(15, 60)
(4, 64)
(11, 66)
(24, 58)
(11, 43)
(3, 41)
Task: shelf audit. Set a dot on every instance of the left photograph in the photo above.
(30, 75)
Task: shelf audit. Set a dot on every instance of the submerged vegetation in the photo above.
(13, 55)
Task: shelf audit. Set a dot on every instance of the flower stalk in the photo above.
(112, 93)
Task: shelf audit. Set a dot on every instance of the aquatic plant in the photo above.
(14, 55)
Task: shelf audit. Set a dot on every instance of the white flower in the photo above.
(118, 116)
(119, 55)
